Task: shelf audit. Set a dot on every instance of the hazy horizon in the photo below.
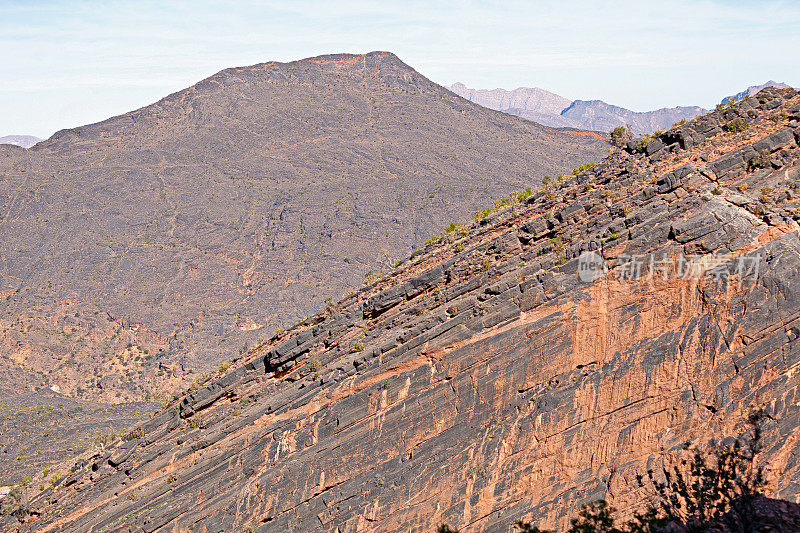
(76, 63)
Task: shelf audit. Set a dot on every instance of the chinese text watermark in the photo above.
(592, 266)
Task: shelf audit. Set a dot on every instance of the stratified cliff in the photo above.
(495, 376)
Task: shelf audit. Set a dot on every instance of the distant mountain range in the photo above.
(550, 109)
(553, 110)
(530, 103)
(25, 141)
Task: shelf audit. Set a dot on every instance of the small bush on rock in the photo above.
(621, 135)
(736, 126)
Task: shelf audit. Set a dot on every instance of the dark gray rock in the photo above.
(673, 180)
(654, 146)
(775, 141)
(386, 300)
(734, 161)
(425, 281)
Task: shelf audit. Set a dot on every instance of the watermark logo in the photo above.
(592, 266)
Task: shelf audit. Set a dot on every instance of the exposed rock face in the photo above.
(553, 110)
(484, 380)
(233, 208)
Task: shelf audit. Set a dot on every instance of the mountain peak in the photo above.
(375, 63)
(373, 71)
(379, 58)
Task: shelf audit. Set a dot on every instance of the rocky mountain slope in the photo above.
(23, 141)
(553, 110)
(753, 90)
(41, 429)
(138, 252)
(544, 357)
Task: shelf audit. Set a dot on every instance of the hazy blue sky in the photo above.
(67, 63)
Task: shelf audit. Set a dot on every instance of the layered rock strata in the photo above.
(485, 379)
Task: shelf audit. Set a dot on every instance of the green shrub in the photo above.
(644, 140)
(15, 493)
(480, 215)
(513, 198)
(580, 168)
(736, 126)
(371, 277)
(761, 160)
(456, 228)
(621, 135)
(524, 195)
(557, 243)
